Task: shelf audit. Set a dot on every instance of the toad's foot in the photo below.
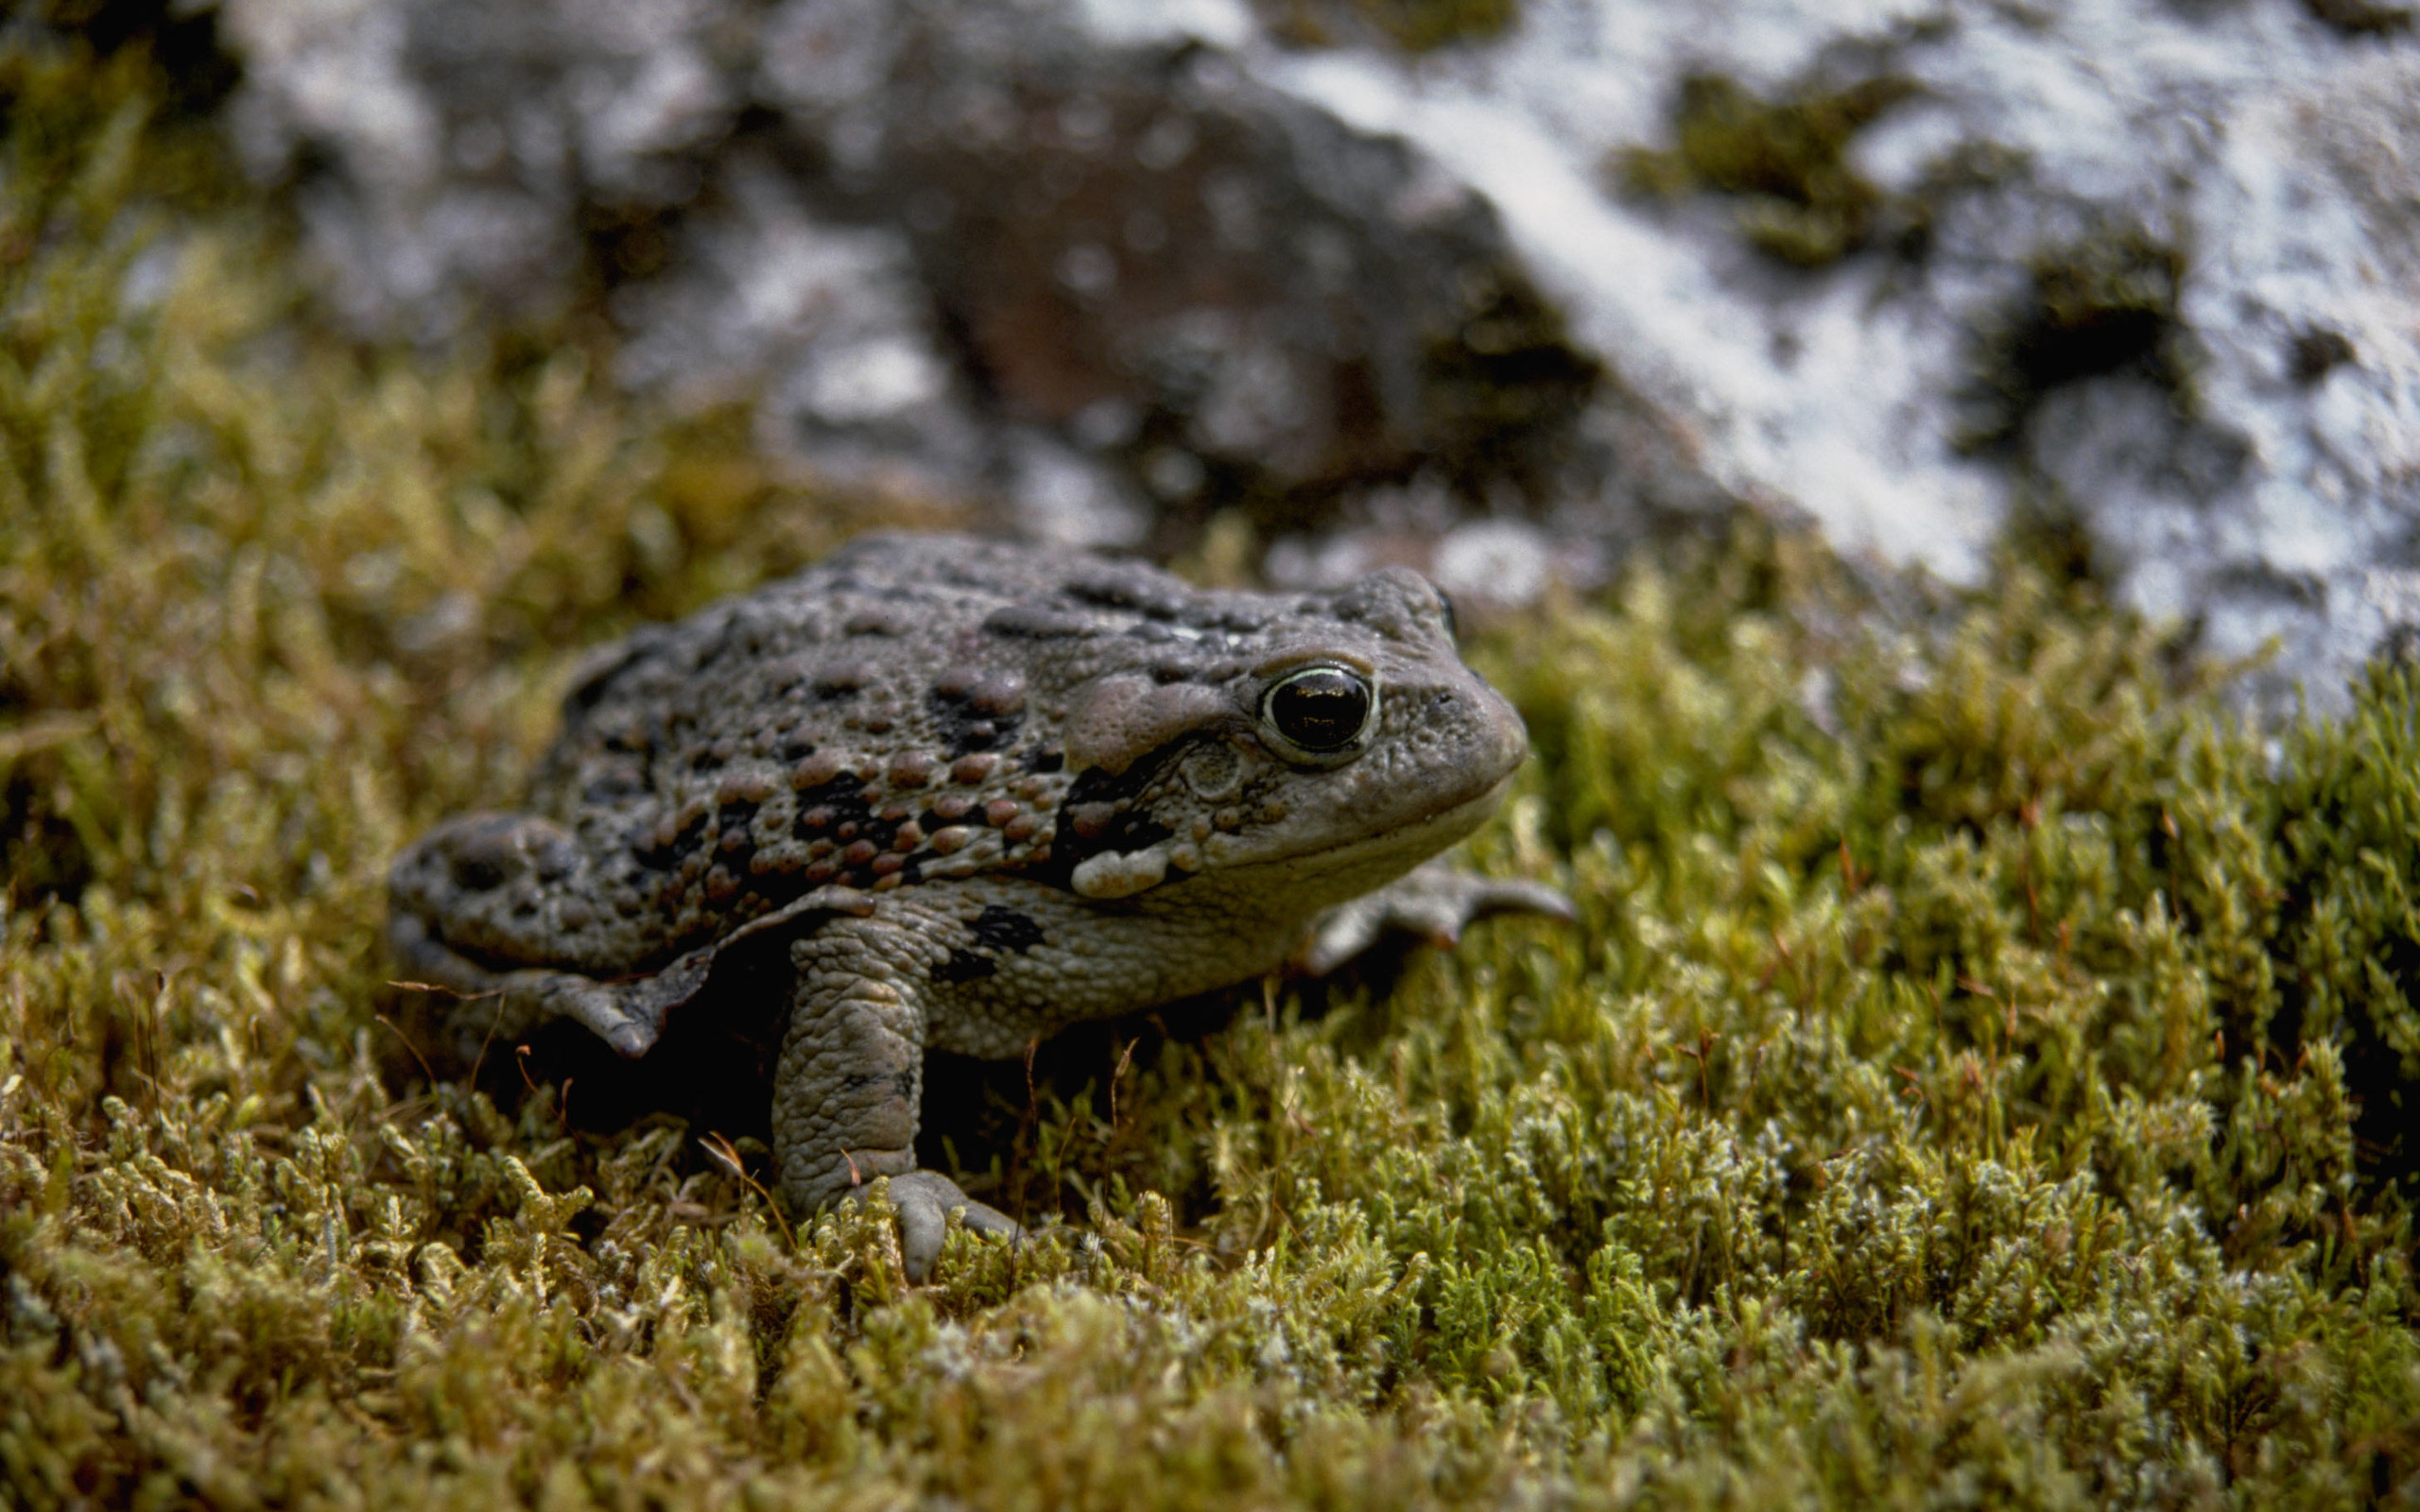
(1431, 903)
(923, 1200)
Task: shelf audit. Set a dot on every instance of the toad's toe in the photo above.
(923, 1200)
(1430, 904)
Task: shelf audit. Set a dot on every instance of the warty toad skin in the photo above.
(978, 792)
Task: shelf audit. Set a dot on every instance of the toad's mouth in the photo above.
(1407, 844)
(1321, 875)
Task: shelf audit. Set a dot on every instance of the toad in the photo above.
(974, 792)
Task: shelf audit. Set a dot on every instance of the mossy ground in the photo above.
(1977, 1078)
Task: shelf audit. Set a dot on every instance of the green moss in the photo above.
(1414, 26)
(2360, 18)
(2348, 856)
(1965, 1088)
(1785, 160)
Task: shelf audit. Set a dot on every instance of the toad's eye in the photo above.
(1453, 620)
(1320, 709)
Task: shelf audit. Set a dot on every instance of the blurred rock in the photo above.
(2149, 271)
(955, 244)
(1911, 270)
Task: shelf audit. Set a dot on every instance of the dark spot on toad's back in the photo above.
(967, 966)
(963, 725)
(1006, 929)
(838, 806)
(662, 843)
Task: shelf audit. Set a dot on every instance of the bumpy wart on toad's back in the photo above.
(980, 792)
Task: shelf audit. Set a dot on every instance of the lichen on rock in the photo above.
(1801, 197)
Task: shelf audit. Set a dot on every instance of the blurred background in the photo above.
(1494, 288)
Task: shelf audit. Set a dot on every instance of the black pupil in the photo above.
(1320, 710)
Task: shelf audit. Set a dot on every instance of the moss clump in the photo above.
(2360, 18)
(2099, 305)
(2104, 303)
(1414, 26)
(1785, 160)
(1954, 1097)
(2348, 863)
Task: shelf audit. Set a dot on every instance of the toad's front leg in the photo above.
(845, 1092)
(1431, 904)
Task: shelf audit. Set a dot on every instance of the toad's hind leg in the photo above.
(846, 1088)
